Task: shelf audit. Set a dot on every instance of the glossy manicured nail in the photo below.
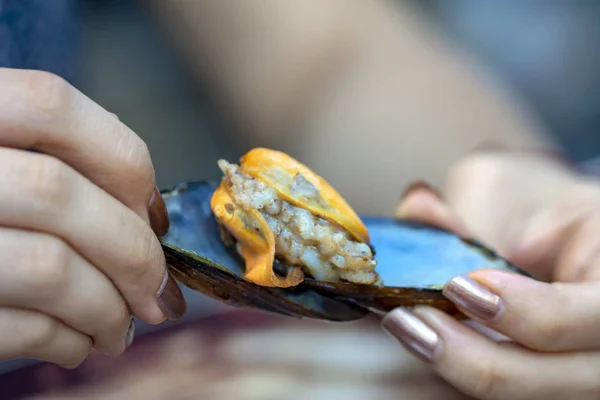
(170, 299)
(472, 298)
(130, 334)
(157, 212)
(413, 333)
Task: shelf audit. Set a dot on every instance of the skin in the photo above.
(377, 84)
(74, 289)
(361, 91)
(542, 215)
(79, 253)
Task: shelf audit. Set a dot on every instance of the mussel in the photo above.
(275, 236)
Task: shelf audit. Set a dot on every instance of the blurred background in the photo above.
(372, 95)
(399, 80)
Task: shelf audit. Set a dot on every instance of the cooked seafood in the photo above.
(227, 241)
(266, 226)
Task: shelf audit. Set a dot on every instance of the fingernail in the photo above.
(413, 333)
(157, 211)
(130, 334)
(418, 186)
(472, 298)
(170, 299)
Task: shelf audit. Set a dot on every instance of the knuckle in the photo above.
(118, 319)
(550, 334)
(40, 333)
(133, 159)
(489, 382)
(48, 94)
(146, 255)
(47, 182)
(47, 268)
(77, 355)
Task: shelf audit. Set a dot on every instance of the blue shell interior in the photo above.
(193, 226)
(408, 254)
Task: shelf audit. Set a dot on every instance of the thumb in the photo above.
(420, 202)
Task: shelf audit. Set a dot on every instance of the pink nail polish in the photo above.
(413, 333)
(473, 299)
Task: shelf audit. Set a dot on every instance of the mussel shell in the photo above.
(414, 261)
(198, 259)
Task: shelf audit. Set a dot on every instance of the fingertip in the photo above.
(165, 303)
(500, 281)
(434, 317)
(462, 343)
(464, 357)
(466, 354)
(418, 204)
(420, 186)
(424, 205)
(412, 333)
(474, 299)
(452, 332)
(170, 299)
(130, 334)
(151, 312)
(71, 366)
(538, 315)
(75, 362)
(426, 332)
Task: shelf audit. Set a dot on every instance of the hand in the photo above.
(78, 256)
(531, 339)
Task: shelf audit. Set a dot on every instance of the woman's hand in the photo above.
(531, 339)
(78, 256)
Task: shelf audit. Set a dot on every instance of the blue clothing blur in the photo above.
(43, 35)
(40, 34)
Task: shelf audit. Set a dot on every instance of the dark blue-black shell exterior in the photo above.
(414, 261)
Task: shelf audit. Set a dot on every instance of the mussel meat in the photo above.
(275, 236)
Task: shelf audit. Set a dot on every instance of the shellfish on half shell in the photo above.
(274, 235)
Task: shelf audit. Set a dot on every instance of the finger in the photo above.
(485, 369)
(29, 334)
(538, 315)
(539, 240)
(42, 111)
(485, 330)
(521, 206)
(422, 203)
(157, 212)
(47, 195)
(579, 258)
(42, 273)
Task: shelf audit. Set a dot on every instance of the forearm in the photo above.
(369, 81)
